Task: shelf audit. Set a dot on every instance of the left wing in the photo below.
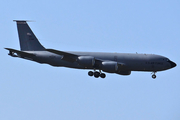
(90, 60)
(66, 56)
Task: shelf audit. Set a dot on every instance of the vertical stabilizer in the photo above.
(27, 39)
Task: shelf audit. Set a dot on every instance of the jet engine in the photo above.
(109, 66)
(86, 61)
(124, 72)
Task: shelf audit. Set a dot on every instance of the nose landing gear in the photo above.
(154, 76)
(96, 74)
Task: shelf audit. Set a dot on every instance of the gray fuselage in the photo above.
(133, 62)
(120, 63)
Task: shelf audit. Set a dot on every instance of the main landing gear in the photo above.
(96, 74)
(154, 76)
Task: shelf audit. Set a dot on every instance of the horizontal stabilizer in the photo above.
(19, 53)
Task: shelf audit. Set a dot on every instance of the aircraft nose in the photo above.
(172, 64)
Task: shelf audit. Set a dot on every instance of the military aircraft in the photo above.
(96, 62)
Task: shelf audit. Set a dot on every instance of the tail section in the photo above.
(27, 39)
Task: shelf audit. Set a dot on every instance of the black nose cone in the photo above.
(172, 64)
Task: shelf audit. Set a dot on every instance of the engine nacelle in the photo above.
(109, 66)
(124, 72)
(86, 61)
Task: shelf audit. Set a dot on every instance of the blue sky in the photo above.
(29, 90)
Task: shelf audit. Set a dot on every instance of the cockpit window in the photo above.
(166, 59)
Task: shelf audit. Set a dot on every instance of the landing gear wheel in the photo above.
(102, 75)
(90, 73)
(96, 74)
(154, 76)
